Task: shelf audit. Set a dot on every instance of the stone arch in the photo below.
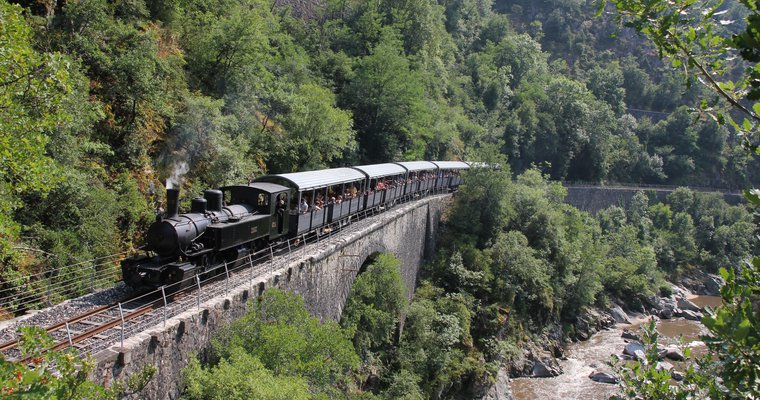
(368, 261)
(357, 265)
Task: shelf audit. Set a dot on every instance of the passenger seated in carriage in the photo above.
(303, 208)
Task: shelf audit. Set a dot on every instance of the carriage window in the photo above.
(263, 200)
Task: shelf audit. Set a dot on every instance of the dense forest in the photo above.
(104, 103)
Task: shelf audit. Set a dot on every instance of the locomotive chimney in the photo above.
(172, 202)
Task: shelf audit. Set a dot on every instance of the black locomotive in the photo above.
(233, 222)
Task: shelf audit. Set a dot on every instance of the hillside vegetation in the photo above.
(103, 102)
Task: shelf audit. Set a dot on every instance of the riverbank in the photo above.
(586, 357)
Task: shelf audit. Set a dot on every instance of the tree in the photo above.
(316, 132)
(374, 307)
(693, 35)
(387, 100)
(280, 333)
(137, 81)
(522, 279)
(482, 208)
(34, 90)
(225, 39)
(241, 376)
(606, 83)
(436, 345)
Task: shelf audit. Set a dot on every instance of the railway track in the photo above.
(106, 325)
(95, 324)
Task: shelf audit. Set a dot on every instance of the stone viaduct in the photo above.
(322, 273)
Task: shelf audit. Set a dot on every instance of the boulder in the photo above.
(679, 291)
(677, 376)
(663, 303)
(666, 313)
(663, 366)
(686, 304)
(630, 335)
(674, 354)
(641, 356)
(690, 315)
(631, 348)
(603, 377)
(500, 389)
(713, 283)
(619, 315)
(544, 369)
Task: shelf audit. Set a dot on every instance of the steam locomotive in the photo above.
(228, 224)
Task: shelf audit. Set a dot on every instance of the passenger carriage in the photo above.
(385, 183)
(419, 177)
(448, 174)
(315, 189)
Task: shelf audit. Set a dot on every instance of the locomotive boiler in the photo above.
(224, 225)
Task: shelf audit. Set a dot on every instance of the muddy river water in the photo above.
(585, 357)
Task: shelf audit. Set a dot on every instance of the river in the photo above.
(584, 357)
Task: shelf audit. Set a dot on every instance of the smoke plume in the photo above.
(179, 169)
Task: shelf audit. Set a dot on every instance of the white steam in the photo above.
(179, 169)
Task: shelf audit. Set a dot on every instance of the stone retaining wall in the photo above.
(596, 198)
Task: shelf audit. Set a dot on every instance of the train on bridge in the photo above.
(228, 224)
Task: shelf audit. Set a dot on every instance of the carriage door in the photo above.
(280, 215)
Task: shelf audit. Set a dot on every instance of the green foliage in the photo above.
(318, 132)
(536, 257)
(286, 340)
(226, 40)
(241, 376)
(101, 100)
(436, 344)
(631, 268)
(482, 206)
(60, 375)
(136, 79)
(694, 36)
(521, 274)
(735, 333)
(374, 306)
(34, 90)
(387, 101)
